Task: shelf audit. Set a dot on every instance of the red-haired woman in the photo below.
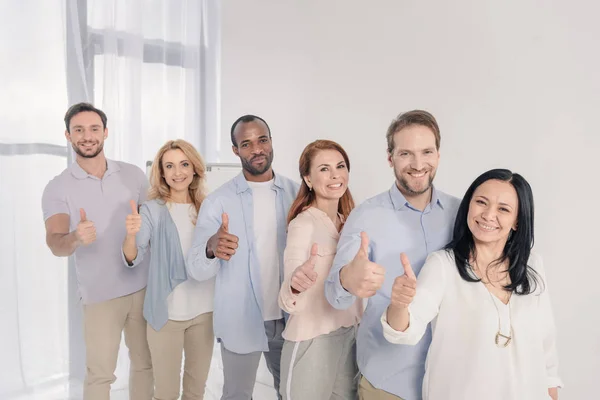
(318, 359)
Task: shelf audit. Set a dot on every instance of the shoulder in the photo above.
(303, 220)
(58, 184)
(449, 202)
(130, 169)
(372, 205)
(288, 184)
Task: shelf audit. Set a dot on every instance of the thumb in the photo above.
(134, 208)
(408, 271)
(314, 250)
(225, 222)
(82, 215)
(363, 252)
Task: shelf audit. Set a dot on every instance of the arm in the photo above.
(348, 246)
(59, 238)
(198, 265)
(424, 307)
(137, 241)
(61, 242)
(295, 256)
(548, 330)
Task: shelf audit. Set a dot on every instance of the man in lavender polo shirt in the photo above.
(85, 208)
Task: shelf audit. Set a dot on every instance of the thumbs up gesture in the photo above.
(405, 286)
(222, 244)
(85, 231)
(304, 277)
(362, 277)
(133, 222)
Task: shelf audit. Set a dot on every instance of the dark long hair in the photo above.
(523, 279)
(306, 197)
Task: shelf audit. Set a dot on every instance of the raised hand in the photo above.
(85, 231)
(405, 286)
(305, 276)
(133, 222)
(362, 277)
(222, 244)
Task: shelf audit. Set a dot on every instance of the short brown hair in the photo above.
(414, 117)
(83, 107)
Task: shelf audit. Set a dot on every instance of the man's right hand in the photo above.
(222, 244)
(362, 277)
(86, 231)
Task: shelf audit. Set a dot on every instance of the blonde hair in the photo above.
(159, 189)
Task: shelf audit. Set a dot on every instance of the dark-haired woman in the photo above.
(494, 335)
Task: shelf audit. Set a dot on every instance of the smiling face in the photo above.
(493, 212)
(178, 171)
(86, 134)
(415, 159)
(328, 175)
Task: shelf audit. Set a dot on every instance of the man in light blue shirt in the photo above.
(412, 217)
(240, 237)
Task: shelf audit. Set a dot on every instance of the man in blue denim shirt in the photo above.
(412, 217)
(240, 237)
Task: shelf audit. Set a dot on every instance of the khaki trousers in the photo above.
(194, 338)
(103, 325)
(366, 391)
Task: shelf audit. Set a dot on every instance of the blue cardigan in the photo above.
(167, 262)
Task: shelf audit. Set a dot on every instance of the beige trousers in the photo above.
(366, 391)
(194, 338)
(103, 325)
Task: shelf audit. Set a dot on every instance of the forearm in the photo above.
(398, 318)
(62, 244)
(130, 250)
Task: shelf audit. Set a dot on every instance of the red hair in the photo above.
(306, 197)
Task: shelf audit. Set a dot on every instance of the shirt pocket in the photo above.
(326, 253)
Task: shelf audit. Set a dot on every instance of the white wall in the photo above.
(513, 84)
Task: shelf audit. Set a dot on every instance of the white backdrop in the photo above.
(513, 84)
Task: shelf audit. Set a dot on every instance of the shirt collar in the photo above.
(242, 184)
(399, 201)
(79, 173)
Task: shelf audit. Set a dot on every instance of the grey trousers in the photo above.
(323, 368)
(239, 370)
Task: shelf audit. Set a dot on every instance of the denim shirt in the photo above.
(238, 309)
(167, 263)
(393, 226)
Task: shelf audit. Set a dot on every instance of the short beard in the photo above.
(247, 165)
(404, 184)
(82, 154)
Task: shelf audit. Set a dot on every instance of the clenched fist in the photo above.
(86, 231)
(304, 277)
(222, 244)
(405, 286)
(362, 277)
(133, 222)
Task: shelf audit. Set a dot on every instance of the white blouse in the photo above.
(464, 362)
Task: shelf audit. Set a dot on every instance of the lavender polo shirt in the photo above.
(101, 274)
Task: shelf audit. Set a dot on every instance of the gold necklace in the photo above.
(500, 339)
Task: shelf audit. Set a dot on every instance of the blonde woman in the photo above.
(318, 360)
(178, 309)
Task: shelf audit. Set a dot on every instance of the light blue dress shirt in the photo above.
(393, 227)
(238, 316)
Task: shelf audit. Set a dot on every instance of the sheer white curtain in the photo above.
(34, 348)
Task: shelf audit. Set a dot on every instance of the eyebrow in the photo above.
(260, 137)
(327, 165)
(502, 204)
(91, 126)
